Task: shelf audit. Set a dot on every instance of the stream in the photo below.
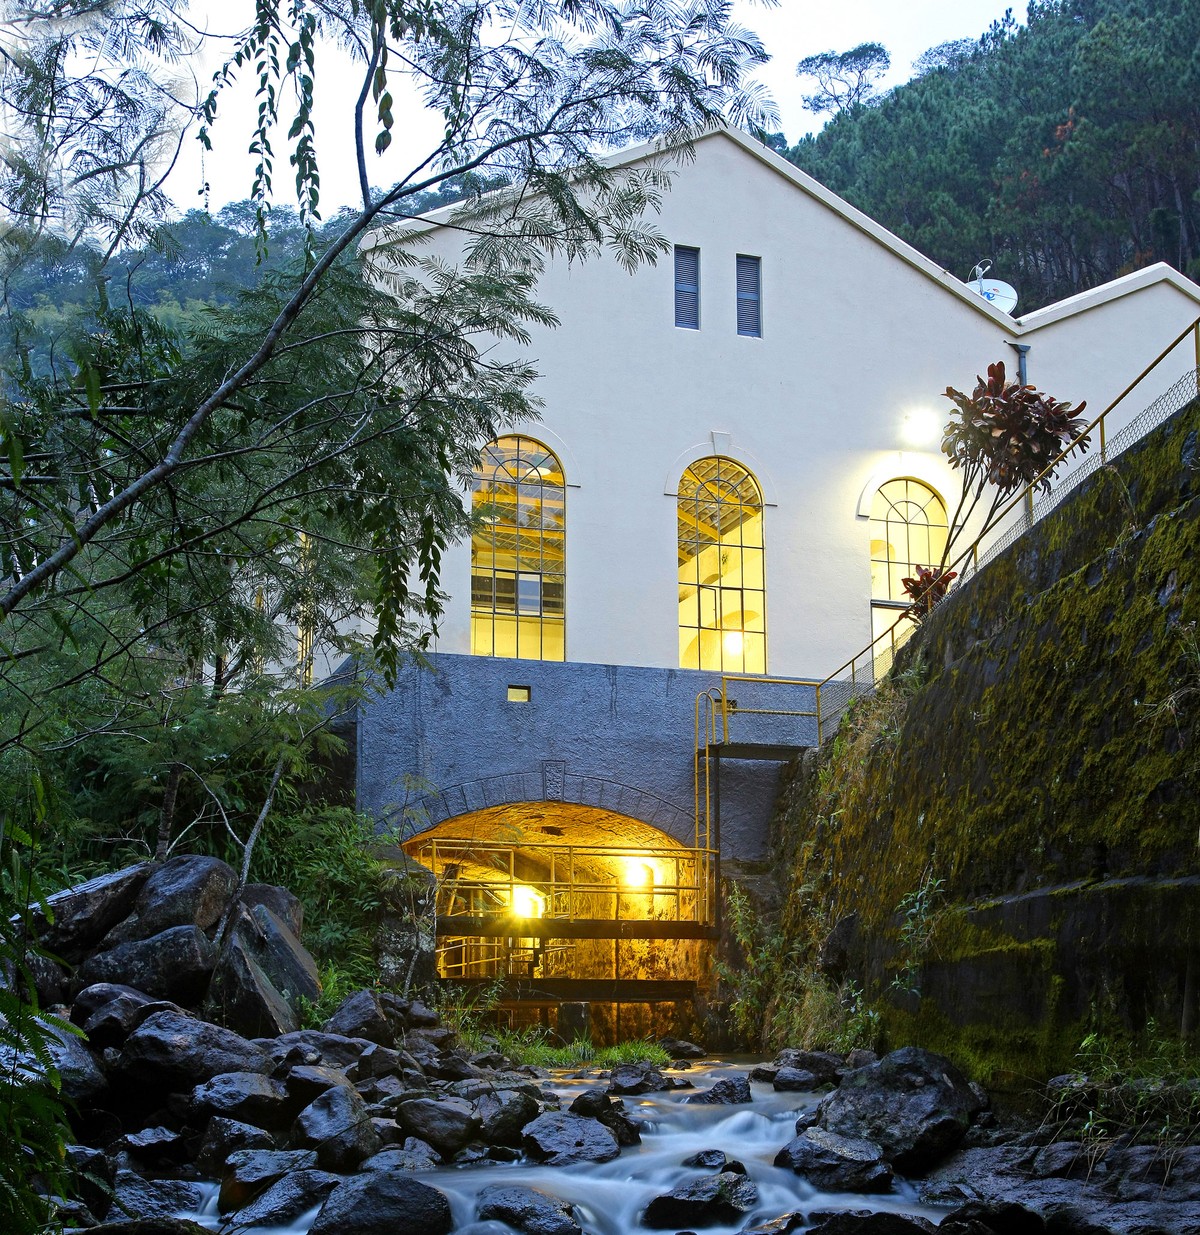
(611, 1196)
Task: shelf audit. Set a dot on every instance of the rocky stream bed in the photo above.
(380, 1123)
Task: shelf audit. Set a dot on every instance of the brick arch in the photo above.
(551, 782)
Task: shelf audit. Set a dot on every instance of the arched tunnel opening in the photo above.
(575, 918)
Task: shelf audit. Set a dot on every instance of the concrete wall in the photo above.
(858, 332)
(616, 737)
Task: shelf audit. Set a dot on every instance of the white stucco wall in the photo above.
(857, 331)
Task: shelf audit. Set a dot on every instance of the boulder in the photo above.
(245, 999)
(559, 1139)
(80, 1076)
(85, 913)
(109, 1021)
(596, 1104)
(176, 1051)
(187, 890)
(785, 1224)
(248, 1097)
(636, 1078)
(250, 1172)
(361, 1015)
(306, 1082)
(334, 1050)
(863, 1222)
(174, 964)
(135, 1197)
(998, 1218)
(223, 1137)
(152, 1226)
(527, 1210)
(156, 1148)
(708, 1160)
(337, 1124)
(286, 906)
(916, 1105)
(447, 1123)
(503, 1113)
(413, 1155)
(287, 1199)
(824, 1065)
(728, 1091)
(680, 1048)
(382, 1204)
(795, 1080)
(715, 1200)
(835, 1163)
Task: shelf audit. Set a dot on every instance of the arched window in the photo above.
(722, 589)
(908, 529)
(518, 552)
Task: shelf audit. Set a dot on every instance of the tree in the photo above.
(845, 80)
(322, 405)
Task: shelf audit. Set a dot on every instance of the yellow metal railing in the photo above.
(571, 883)
(858, 675)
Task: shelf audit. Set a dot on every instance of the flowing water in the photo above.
(611, 1196)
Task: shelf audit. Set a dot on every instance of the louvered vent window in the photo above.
(687, 287)
(749, 296)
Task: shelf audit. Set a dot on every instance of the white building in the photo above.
(737, 463)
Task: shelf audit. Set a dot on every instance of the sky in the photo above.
(792, 30)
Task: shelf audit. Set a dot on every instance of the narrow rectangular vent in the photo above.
(519, 694)
(687, 287)
(749, 296)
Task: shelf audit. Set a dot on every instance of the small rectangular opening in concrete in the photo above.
(519, 694)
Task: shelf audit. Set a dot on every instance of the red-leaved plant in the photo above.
(1003, 436)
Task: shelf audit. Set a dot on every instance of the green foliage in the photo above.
(779, 995)
(920, 912)
(1063, 150)
(326, 856)
(533, 1047)
(1146, 1088)
(33, 1121)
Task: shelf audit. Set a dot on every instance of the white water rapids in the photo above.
(611, 1196)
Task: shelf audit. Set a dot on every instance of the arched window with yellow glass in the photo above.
(722, 578)
(518, 552)
(908, 529)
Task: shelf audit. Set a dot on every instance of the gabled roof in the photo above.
(1160, 272)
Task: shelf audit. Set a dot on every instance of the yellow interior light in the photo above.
(526, 903)
(733, 642)
(639, 873)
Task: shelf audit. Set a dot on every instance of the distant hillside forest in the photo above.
(1067, 150)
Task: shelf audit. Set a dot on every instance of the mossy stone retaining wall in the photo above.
(1035, 753)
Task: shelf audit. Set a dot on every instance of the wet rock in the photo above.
(287, 1199)
(1062, 1160)
(680, 1048)
(783, 1225)
(836, 1163)
(377, 1061)
(92, 1176)
(715, 1200)
(338, 1125)
(248, 1097)
(413, 1155)
(863, 1222)
(558, 1139)
(286, 906)
(446, 1123)
(174, 964)
(245, 998)
(503, 1114)
(527, 1210)
(1005, 1218)
(250, 1172)
(795, 1080)
(707, 1159)
(596, 1104)
(135, 1197)
(152, 1226)
(824, 1065)
(79, 1074)
(306, 1082)
(636, 1078)
(156, 1147)
(380, 1204)
(916, 1105)
(85, 913)
(728, 1091)
(188, 890)
(361, 1015)
(278, 952)
(333, 1050)
(109, 1021)
(223, 1137)
(860, 1058)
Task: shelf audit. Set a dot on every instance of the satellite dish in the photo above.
(1002, 296)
